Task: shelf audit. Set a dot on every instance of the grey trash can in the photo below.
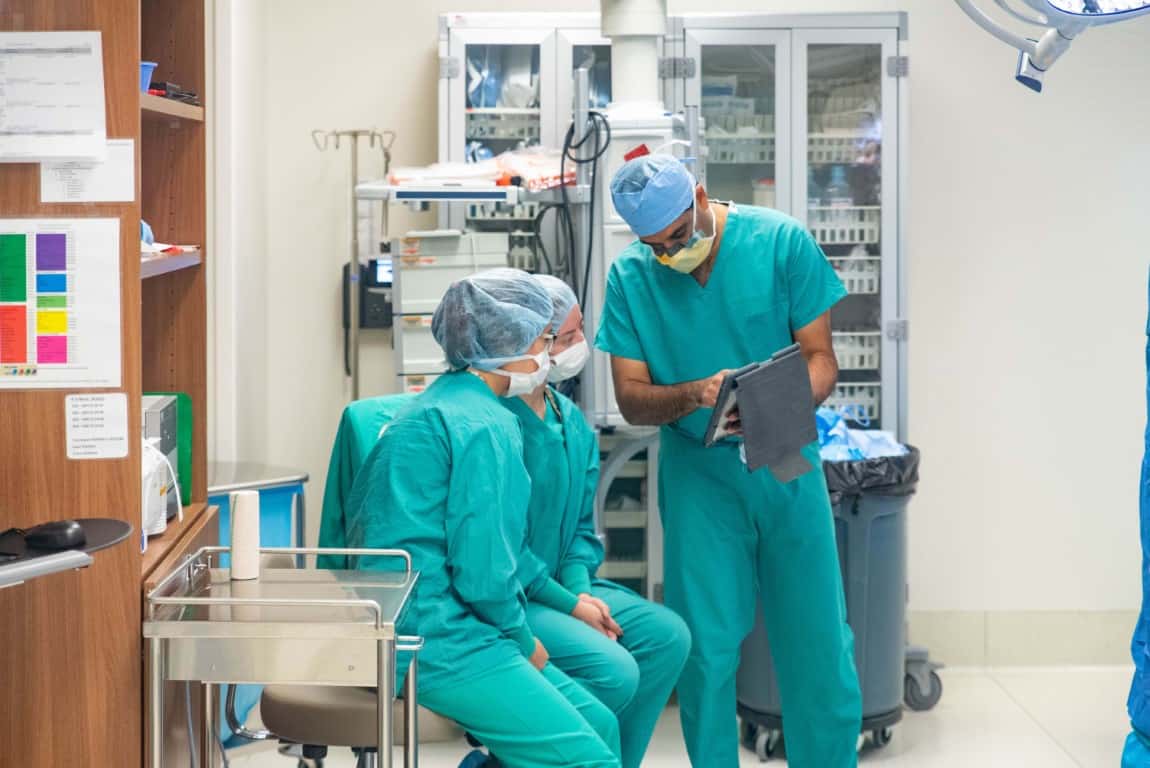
(869, 499)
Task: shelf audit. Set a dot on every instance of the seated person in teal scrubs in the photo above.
(446, 482)
(625, 650)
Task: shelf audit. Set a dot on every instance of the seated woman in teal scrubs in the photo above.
(625, 650)
(446, 482)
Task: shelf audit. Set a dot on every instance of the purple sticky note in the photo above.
(51, 252)
(51, 350)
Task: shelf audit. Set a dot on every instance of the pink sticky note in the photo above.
(51, 349)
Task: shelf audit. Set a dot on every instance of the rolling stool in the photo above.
(315, 717)
(322, 716)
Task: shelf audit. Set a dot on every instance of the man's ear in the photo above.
(701, 200)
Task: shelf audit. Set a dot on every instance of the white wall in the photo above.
(239, 290)
(1027, 279)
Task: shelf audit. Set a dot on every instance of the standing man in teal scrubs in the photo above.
(708, 288)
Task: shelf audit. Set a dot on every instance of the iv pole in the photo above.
(384, 140)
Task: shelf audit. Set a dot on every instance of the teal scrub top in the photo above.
(358, 430)
(770, 279)
(446, 482)
(561, 452)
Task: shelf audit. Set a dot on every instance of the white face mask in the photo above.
(523, 383)
(568, 363)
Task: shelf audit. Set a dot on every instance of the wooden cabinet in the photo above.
(201, 529)
(71, 666)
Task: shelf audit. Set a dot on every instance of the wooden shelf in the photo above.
(159, 546)
(154, 265)
(159, 108)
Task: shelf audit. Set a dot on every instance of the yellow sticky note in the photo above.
(51, 322)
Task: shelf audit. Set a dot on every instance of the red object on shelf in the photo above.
(638, 151)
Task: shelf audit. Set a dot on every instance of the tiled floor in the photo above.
(1053, 717)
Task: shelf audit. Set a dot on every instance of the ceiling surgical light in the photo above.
(1060, 20)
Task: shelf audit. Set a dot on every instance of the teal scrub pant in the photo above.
(732, 537)
(531, 719)
(1137, 752)
(634, 677)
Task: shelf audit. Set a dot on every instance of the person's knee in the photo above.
(617, 682)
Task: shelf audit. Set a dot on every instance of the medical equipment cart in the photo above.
(289, 626)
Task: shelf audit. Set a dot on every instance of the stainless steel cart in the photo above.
(310, 626)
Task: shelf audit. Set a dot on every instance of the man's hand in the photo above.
(590, 614)
(734, 422)
(709, 389)
(540, 657)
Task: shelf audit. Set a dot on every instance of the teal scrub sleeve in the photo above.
(484, 534)
(812, 285)
(585, 555)
(617, 335)
(524, 639)
(576, 578)
(531, 571)
(556, 596)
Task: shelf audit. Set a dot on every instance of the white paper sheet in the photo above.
(51, 97)
(97, 426)
(75, 181)
(59, 303)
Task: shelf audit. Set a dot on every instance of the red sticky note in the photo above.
(13, 335)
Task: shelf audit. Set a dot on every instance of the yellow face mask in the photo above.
(687, 257)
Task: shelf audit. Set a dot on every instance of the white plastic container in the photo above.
(860, 274)
(451, 242)
(844, 225)
(421, 279)
(860, 399)
(763, 193)
(857, 350)
(415, 348)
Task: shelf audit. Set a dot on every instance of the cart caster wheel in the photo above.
(881, 737)
(918, 699)
(767, 744)
(305, 763)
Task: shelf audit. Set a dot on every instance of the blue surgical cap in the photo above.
(652, 191)
(562, 299)
(487, 318)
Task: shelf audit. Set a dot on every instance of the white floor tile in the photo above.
(1050, 717)
(1083, 709)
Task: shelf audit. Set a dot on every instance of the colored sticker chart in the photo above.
(59, 303)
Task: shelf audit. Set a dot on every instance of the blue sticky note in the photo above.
(51, 283)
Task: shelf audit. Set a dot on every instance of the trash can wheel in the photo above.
(881, 737)
(918, 699)
(767, 744)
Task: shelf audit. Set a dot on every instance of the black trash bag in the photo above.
(890, 476)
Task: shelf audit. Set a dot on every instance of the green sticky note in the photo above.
(52, 302)
(13, 267)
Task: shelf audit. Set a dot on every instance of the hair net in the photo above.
(652, 191)
(562, 299)
(487, 318)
